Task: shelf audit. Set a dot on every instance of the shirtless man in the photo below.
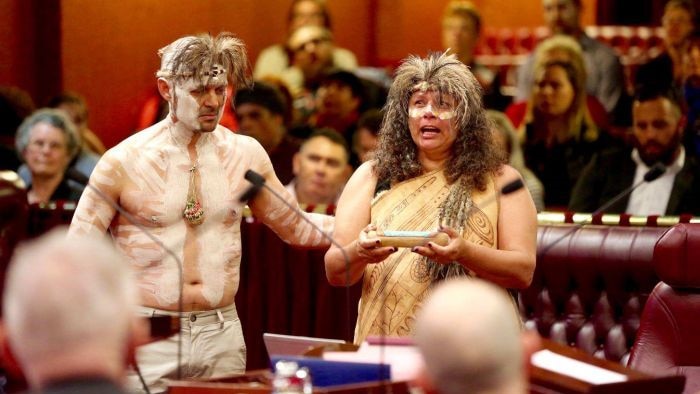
(182, 178)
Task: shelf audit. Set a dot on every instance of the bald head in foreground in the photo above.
(471, 341)
(69, 314)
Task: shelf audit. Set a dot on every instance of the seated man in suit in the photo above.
(471, 341)
(76, 336)
(658, 130)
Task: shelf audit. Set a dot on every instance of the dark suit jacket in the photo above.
(611, 172)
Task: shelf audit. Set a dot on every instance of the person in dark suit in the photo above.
(69, 315)
(658, 131)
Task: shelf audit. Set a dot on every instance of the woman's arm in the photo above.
(352, 217)
(513, 263)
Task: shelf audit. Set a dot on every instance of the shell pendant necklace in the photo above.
(193, 212)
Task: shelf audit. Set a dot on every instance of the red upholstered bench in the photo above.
(590, 286)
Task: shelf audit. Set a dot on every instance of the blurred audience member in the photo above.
(471, 341)
(461, 26)
(15, 105)
(666, 70)
(563, 48)
(76, 336)
(605, 77)
(321, 169)
(47, 141)
(76, 108)
(508, 140)
(301, 53)
(658, 129)
(365, 139)
(691, 93)
(262, 114)
(91, 148)
(339, 102)
(312, 49)
(559, 132)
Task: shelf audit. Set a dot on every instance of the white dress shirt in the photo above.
(651, 198)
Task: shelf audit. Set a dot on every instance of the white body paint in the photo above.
(148, 175)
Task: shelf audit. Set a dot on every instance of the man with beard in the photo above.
(182, 178)
(658, 128)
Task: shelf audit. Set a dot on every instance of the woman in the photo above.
(47, 142)
(560, 136)
(436, 167)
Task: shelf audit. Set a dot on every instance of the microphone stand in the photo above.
(258, 181)
(132, 220)
(652, 174)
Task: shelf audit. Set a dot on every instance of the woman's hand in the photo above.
(369, 249)
(455, 250)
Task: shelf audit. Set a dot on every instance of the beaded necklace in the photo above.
(193, 212)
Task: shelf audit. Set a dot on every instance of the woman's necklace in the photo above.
(193, 212)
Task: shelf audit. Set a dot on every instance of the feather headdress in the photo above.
(205, 57)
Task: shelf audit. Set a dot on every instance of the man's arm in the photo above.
(286, 222)
(93, 214)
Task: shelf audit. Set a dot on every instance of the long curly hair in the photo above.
(475, 157)
(201, 56)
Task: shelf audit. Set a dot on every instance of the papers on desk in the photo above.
(563, 365)
(405, 360)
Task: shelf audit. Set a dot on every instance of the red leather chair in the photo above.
(668, 341)
(590, 286)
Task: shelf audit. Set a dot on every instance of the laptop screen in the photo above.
(292, 345)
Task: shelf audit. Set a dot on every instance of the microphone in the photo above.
(258, 182)
(651, 175)
(80, 178)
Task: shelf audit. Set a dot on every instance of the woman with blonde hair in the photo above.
(556, 125)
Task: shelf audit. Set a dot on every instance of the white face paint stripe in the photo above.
(445, 114)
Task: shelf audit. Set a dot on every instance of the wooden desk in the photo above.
(256, 382)
(545, 382)
(542, 381)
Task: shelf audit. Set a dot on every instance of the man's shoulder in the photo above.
(230, 138)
